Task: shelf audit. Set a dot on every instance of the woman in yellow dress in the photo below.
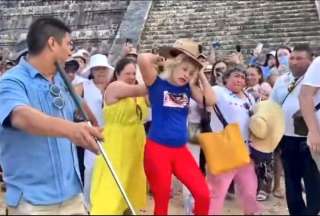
(124, 138)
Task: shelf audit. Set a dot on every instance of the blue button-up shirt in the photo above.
(38, 169)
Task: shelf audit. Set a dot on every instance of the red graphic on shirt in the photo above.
(178, 100)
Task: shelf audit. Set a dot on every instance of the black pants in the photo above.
(298, 165)
(202, 162)
(80, 153)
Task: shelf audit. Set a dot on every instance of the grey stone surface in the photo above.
(246, 22)
(94, 23)
(131, 26)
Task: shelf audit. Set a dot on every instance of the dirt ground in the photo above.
(273, 206)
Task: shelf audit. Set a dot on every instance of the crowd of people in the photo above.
(149, 110)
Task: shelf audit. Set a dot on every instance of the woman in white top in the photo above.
(92, 92)
(236, 107)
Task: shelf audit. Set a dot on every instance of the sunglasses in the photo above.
(247, 107)
(58, 100)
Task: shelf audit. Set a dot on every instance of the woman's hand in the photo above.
(194, 80)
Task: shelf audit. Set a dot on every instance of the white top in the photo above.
(233, 109)
(194, 115)
(78, 79)
(93, 96)
(312, 78)
(291, 104)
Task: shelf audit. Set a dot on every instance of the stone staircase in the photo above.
(244, 22)
(94, 23)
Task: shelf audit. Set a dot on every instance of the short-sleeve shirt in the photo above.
(38, 169)
(170, 105)
(233, 108)
(291, 103)
(312, 78)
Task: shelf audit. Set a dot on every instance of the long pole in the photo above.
(101, 149)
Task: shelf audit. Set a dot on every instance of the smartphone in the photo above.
(259, 47)
(238, 48)
(216, 44)
(128, 41)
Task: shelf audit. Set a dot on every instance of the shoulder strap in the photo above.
(285, 98)
(220, 116)
(289, 92)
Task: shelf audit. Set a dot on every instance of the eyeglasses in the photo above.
(58, 100)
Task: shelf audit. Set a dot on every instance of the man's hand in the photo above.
(314, 141)
(85, 136)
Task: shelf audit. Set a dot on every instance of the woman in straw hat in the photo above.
(166, 152)
(236, 107)
(124, 138)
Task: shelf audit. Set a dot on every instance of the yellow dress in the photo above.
(124, 140)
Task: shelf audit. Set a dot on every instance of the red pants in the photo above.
(160, 162)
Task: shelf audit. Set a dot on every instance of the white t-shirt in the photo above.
(291, 104)
(233, 109)
(312, 78)
(194, 112)
(78, 79)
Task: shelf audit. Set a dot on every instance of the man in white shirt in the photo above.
(310, 97)
(295, 154)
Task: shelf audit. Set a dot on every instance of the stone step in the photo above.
(166, 21)
(81, 34)
(217, 10)
(229, 37)
(266, 10)
(63, 8)
(74, 21)
(241, 16)
(239, 3)
(214, 27)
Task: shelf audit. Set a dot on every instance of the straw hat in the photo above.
(97, 60)
(267, 126)
(132, 52)
(185, 46)
(208, 68)
(82, 53)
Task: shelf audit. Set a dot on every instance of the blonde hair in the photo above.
(172, 63)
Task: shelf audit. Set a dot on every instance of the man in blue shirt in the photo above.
(37, 132)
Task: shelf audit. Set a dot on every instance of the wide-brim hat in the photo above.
(72, 63)
(132, 52)
(202, 56)
(208, 68)
(267, 126)
(185, 46)
(82, 53)
(97, 60)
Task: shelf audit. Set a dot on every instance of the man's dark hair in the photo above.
(40, 31)
(304, 48)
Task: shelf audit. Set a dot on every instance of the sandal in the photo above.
(278, 193)
(262, 196)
